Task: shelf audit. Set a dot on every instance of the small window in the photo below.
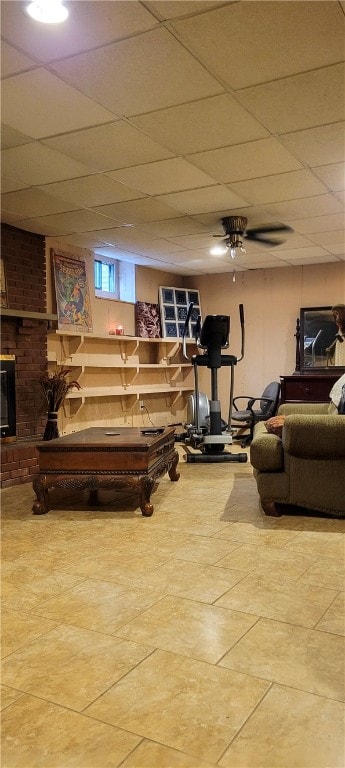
(114, 279)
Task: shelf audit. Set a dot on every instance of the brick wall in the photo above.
(23, 254)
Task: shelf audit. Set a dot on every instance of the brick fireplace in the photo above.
(24, 336)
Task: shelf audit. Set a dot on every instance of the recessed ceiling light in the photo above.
(47, 11)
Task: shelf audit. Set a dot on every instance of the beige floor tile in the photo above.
(327, 572)
(71, 666)
(109, 565)
(200, 549)
(333, 619)
(287, 729)
(325, 544)
(192, 580)
(37, 734)
(182, 703)
(267, 534)
(193, 629)
(265, 560)
(19, 629)
(24, 587)
(302, 658)
(8, 696)
(151, 755)
(103, 570)
(99, 605)
(287, 600)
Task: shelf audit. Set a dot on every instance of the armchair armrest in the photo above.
(314, 437)
(304, 408)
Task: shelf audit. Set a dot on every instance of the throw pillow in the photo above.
(336, 391)
(275, 425)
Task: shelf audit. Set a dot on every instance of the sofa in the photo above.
(304, 468)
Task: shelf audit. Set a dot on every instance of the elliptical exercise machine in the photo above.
(205, 429)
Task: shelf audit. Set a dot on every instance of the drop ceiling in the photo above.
(134, 127)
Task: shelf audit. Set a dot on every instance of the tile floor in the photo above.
(205, 635)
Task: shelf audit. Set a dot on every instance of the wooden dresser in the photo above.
(308, 387)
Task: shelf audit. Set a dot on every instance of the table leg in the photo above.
(172, 472)
(41, 505)
(146, 487)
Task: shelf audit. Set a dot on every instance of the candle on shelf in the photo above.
(119, 330)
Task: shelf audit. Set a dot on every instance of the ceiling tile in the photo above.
(200, 125)
(35, 164)
(89, 25)
(340, 196)
(169, 9)
(90, 191)
(203, 200)
(39, 227)
(329, 238)
(13, 61)
(318, 146)
(302, 101)
(338, 249)
(32, 202)
(246, 161)
(9, 217)
(82, 241)
(163, 177)
(281, 186)
(332, 175)
(65, 108)
(257, 37)
(135, 127)
(9, 185)
(135, 75)
(318, 223)
(305, 207)
(174, 227)
(76, 221)
(137, 211)
(304, 260)
(108, 147)
(312, 252)
(11, 138)
(212, 221)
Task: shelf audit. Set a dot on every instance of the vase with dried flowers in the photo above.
(55, 388)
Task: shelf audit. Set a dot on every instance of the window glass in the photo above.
(114, 279)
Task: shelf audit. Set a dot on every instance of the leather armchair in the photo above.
(305, 468)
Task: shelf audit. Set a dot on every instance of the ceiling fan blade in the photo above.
(255, 233)
(265, 240)
(267, 228)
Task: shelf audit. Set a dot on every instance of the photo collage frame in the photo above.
(174, 303)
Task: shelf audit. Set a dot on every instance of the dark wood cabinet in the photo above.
(308, 387)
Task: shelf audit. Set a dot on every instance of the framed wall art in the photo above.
(174, 303)
(147, 320)
(72, 293)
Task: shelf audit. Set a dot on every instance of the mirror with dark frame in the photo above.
(318, 333)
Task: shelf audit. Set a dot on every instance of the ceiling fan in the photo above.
(235, 230)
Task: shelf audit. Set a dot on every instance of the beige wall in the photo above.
(271, 297)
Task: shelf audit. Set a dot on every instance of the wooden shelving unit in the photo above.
(123, 368)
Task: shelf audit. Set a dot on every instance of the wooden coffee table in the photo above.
(99, 458)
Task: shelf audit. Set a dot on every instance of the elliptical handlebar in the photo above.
(185, 329)
(241, 311)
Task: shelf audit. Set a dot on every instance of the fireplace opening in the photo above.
(8, 395)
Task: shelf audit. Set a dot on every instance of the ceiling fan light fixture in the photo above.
(218, 250)
(47, 11)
